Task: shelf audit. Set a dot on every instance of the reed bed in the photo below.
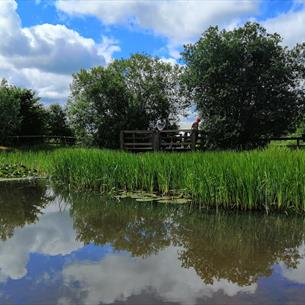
(271, 179)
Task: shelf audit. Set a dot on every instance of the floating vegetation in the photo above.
(16, 171)
(147, 199)
(150, 197)
(175, 201)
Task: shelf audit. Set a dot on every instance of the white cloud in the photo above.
(48, 53)
(169, 60)
(53, 234)
(180, 21)
(49, 86)
(183, 21)
(289, 25)
(115, 278)
(296, 275)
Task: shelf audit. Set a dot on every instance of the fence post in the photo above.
(122, 140)
(193, 139)
(156, 141)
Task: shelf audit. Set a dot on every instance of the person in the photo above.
(160, 125)
(195, 125)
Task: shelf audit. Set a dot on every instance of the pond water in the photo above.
(59, 248)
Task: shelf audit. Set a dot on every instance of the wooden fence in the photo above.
(176, 140)
(41, 139)
(142, 140)
(298, 139)
(165, 140)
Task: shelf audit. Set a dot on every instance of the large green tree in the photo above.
(21, 112)
(57, 123)
(9, 112)
(245, 84)
(33, 115)
(127, 94)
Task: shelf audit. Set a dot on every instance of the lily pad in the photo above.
(151, 195)
(145, 199)
(16, 171)
(175, 201)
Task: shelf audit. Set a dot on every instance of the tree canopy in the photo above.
(9, 112)
(21, 113)
(127, 94)
(245, 84)
(57, 124)
(32, 113)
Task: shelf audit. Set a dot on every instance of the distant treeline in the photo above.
(21, 113)
(244, 84)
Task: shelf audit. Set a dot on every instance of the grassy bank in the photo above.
(272, 179)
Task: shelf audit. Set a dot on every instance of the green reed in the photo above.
(271, 179)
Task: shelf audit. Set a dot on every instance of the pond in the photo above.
(59, 248)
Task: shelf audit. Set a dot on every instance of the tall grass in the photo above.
(272, 179)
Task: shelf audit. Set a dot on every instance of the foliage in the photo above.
(57, 121)
(16, 171)
(9, 112)
(128, 94)
(268, 180)
(20, 112)
(32, 113)
(245, 84)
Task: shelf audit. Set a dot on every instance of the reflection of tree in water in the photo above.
(20, 204)
(127, 226)
(239, 248)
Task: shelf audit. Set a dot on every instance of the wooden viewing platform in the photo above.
(175, 140)
(165, 140)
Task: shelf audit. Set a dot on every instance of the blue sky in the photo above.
(44, 41)
(131, 36)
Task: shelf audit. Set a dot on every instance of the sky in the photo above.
(43, 42)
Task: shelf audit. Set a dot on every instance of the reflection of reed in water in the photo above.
(20, 204)
(239, 248)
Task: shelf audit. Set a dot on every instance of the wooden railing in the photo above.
(165, 140)
(41, 139)
(176, 140)
(298, 139)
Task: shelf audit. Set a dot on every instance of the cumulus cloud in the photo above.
(48, 53)
(115, 278)
(49, 86)
(183, 21)
(180, 21)
(53, 234)
(296, 275)
(289, 25)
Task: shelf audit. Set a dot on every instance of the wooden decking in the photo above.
(165, 140)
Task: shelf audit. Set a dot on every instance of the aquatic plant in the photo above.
(271, 179)
(16, 171)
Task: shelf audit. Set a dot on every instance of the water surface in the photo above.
(59, 248)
